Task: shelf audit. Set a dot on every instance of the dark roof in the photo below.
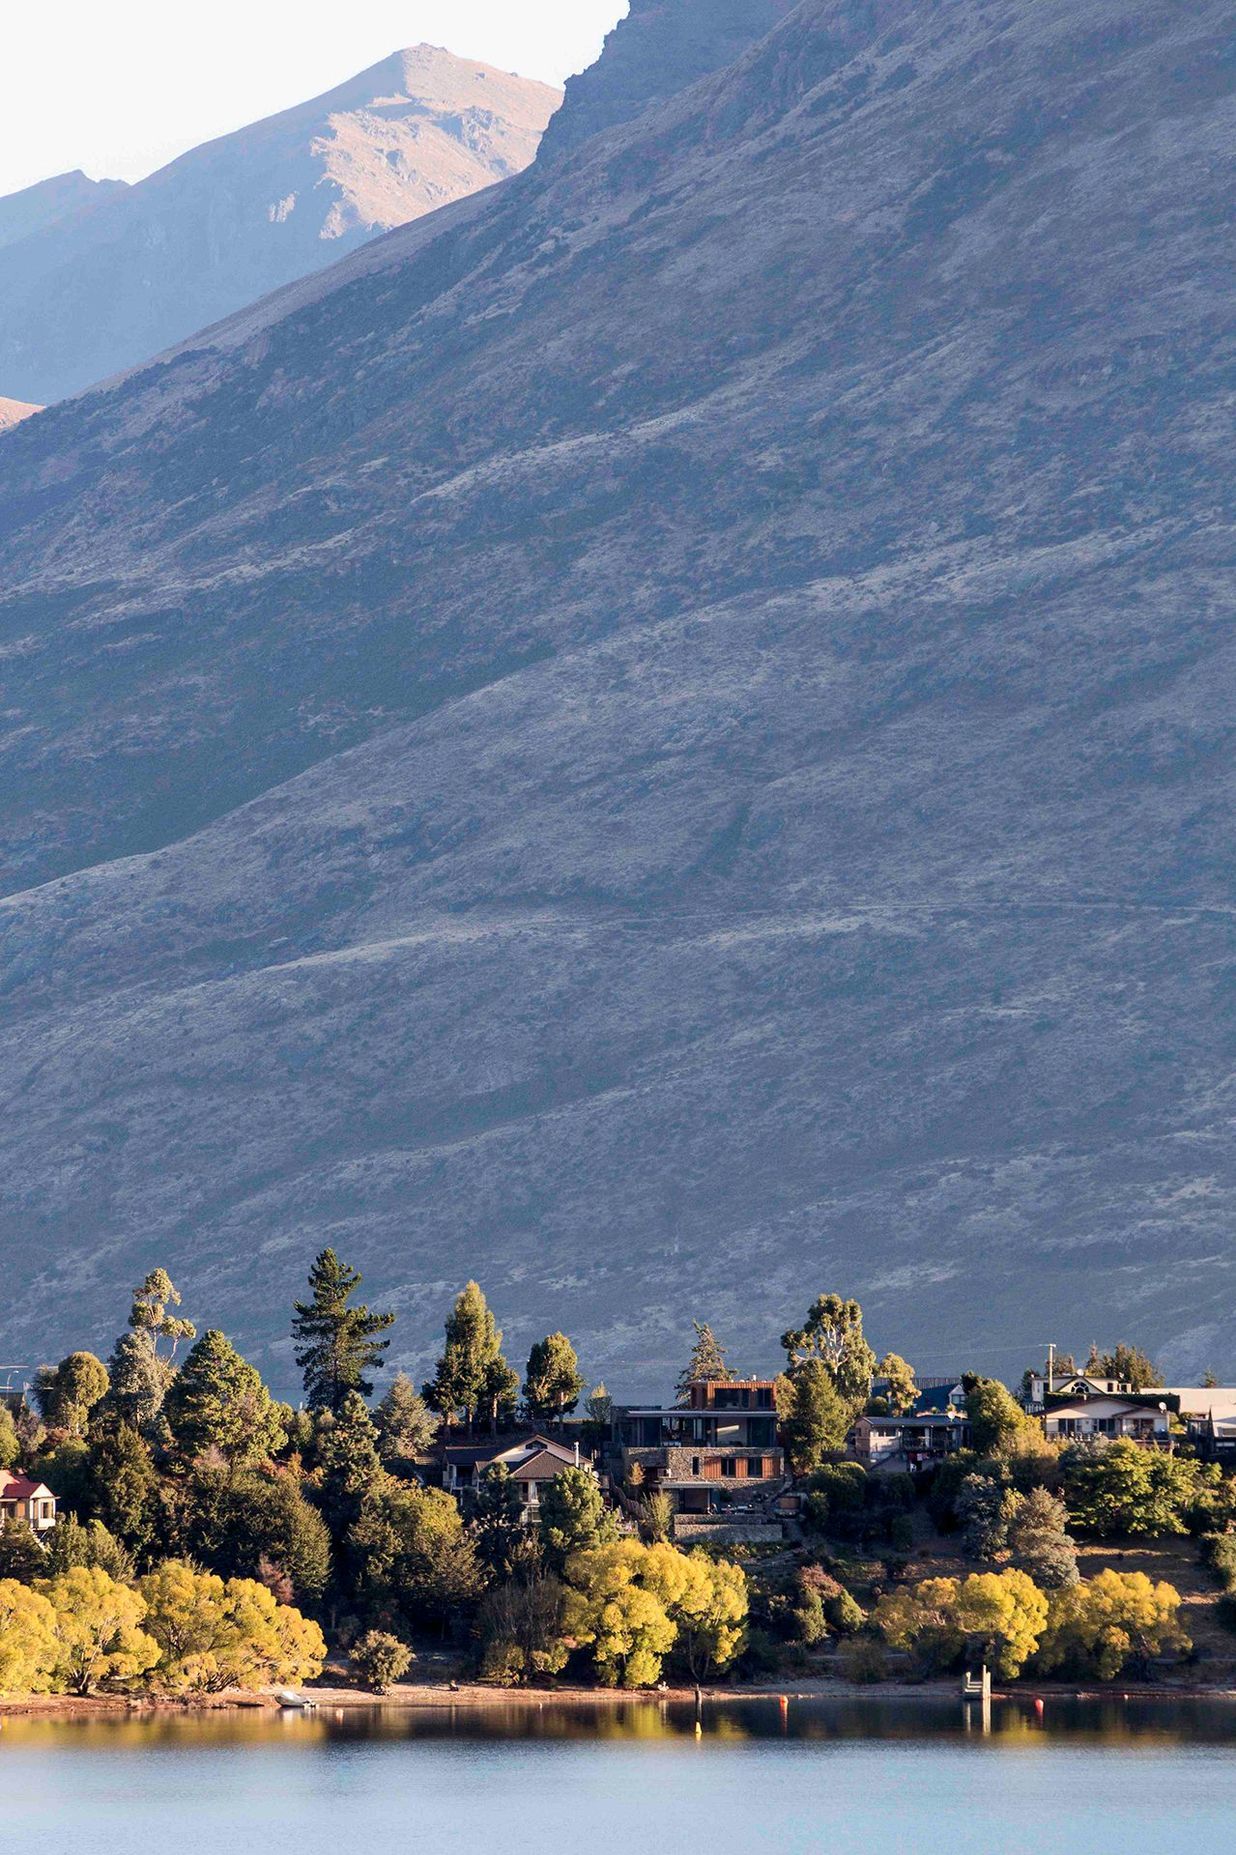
(935, 1398)
(550, 1460)
(468, 1455)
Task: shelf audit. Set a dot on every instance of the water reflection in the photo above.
(908, 1719)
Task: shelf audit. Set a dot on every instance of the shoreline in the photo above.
(473, 1697)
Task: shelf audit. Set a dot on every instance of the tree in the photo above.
(10, 1442)
(151, 1314)
(497, 1518)
(985, 1507)
(1116, 1489)
(599, 1407)
(218, 1401)
(338, 1343)
(269, 1531)
(67, 1394)
(706, 1599)
(998, 1616)
(815, 1418)
(472, 1377)
(521, 1628)
(409, 1556)
(997, 1420)
(379, 1660)
(29, 1648)
(99, 1634)
(1100, 1624)
(91, 1545)
(213, 1635)
(349, 1463)
(656, 1518)
(1039, 1542)
(124, 1486)
(139, 1380)
(22, 1555)
(572, 1516)
(609, 1610)
(552, 1382)
(406, 1428)
(1127, 1363)
(707, 1360)
(833, 1334)
(901, 1391)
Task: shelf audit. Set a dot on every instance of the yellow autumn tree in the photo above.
(707, 1600)
(996, 1616)
(214, 1635)
(609, 1610)
(99, 1635)
(1099, 1625)
(29, 1648)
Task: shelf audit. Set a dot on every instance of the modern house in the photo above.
(718, 1451)
(26, 1501)
(937, 1398)
(908, 1445)
(531, 1461)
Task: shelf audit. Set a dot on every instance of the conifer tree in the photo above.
(351, 1469)
(406, 1427)
(472, 1377)
(339, 1343)
(218, 1401)
(552, 1382)
(707, 1359)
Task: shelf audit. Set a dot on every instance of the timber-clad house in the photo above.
(719, 1449)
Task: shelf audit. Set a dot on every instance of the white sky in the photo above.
(119, 87)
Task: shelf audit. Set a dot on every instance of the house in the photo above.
(908, 1445)
(531, 1460)
(937, 1398)
(1214, 1438)
(1087, 1410)
(717, 1451)
(1044, 1385)
(23, 1500)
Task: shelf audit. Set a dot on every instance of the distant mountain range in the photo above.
(662, 737)
(97, 277)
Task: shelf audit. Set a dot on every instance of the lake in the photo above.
(884, 1777)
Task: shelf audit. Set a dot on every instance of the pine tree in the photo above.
(351, 1469)
(472, 1377)
(218, 1401)
(339, 1344)
(497, 1519)
(707, 1360)
(552, 1382)
(405, 1426)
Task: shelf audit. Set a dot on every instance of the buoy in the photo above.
(1038, 1706)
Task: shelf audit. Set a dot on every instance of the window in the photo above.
(695, 1465)
(755, 1468)
(729, 1468)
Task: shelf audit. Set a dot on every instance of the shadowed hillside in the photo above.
(661, 736)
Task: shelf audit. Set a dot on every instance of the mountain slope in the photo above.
(13, 411)
(87, 295)
(661, 737)
(50, 201)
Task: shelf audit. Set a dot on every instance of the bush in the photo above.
(1219, 1552)
(845, 1614)
(863, 1660)
(1101, 1624)
(380, 1660)
(901, 1532)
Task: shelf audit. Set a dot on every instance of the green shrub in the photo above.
(1219, 1552)
(380, 1660)
(863, 1660)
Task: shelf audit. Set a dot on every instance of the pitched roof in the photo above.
(20, 1487)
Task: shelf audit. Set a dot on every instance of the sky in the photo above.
(119, 87)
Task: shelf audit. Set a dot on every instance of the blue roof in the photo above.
(939, 1398)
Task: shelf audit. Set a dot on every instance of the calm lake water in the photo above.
(880, 1777)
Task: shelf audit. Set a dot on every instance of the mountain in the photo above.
(13, 411)
(662, 736)
(50, 202)
(86, 294)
